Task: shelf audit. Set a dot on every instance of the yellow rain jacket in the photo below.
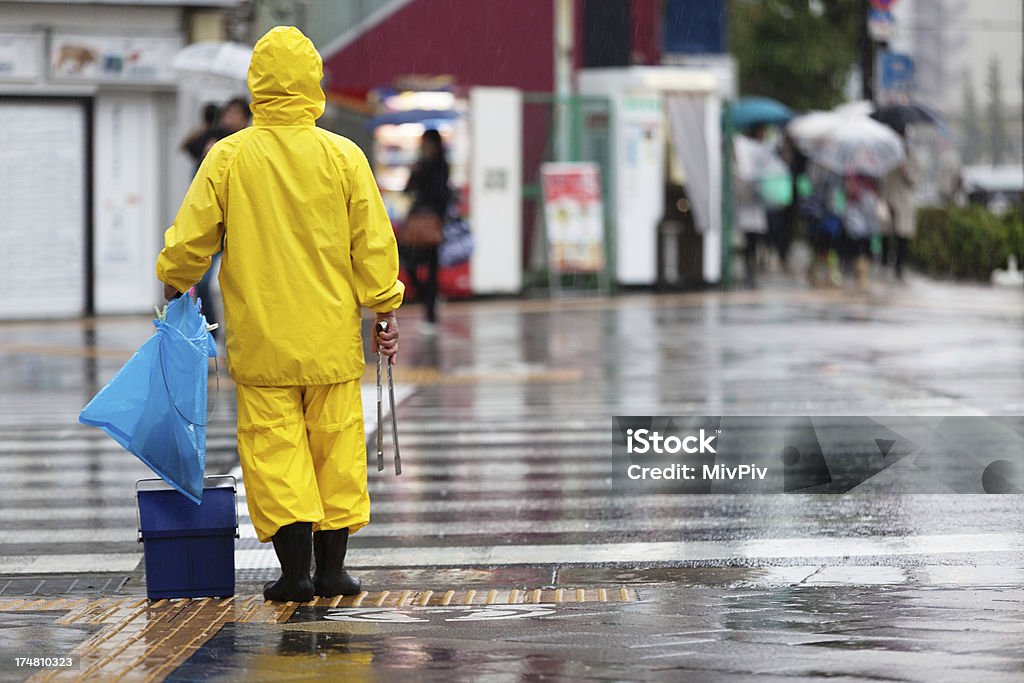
(306, 239)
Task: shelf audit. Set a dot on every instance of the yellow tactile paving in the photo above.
(141, 640)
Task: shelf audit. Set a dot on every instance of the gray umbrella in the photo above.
(860, 146)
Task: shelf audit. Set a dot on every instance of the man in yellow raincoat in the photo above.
(306, 242)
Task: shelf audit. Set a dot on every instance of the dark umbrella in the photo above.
(899, 116)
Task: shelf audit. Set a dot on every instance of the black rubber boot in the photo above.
(293, 545)
(330, 578)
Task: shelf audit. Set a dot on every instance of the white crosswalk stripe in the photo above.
(688, 551)
(487, 490)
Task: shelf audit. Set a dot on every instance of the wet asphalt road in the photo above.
(506, 440)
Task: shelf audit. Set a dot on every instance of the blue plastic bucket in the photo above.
(189, 549)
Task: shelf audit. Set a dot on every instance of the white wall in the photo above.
(42, 209)
(639, 163)
(139, 175)
(496, 190)
(126, 173)
(91, 18)
(712, 242)
(640, 177)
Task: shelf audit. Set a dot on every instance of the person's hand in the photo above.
(386, 342)
(170, 292)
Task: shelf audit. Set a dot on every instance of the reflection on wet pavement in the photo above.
(506, 442)
(33, 634)
(789, 633)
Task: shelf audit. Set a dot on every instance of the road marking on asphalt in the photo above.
(83, 563)
(508, 505)
(437, 528)
(432, 376)
(661, 551)
(450, 614)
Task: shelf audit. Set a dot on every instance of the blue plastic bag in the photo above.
(155, 406)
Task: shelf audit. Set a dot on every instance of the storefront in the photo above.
(90, 120)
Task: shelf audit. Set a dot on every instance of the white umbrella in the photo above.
(860, 146)
(856, 108)
(811, 128)
(211, 58)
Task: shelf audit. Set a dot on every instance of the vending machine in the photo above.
(403, 117)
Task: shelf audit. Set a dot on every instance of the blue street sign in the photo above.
(897, 72)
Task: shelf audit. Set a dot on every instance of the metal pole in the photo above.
(564, 29)
(380, 401)
(867, 55)
(727, 217)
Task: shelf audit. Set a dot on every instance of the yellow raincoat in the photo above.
(306, 242)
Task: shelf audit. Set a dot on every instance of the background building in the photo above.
(90, 118)
(965, 53)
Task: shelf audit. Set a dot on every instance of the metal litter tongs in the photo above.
(382, 326)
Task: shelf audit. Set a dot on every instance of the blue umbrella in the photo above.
(751, 111)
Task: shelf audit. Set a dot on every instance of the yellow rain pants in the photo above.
(303, 455)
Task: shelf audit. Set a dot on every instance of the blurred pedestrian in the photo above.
(796, 162)
(307, 241)
(232, 117)
(749, 207)
(431, 196)
(776, 187)
(822, 211)
(898, 191)
(195, 143)
(861, 223)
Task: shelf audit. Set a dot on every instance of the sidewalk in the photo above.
(704, 624)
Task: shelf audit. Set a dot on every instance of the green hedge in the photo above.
(966, 243)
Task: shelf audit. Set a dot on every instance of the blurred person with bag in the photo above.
(195, 142)
(775, 185)
(749, 208)
(861, 220)
(423, 230)
(231, 118)
(822, 209)
(306, 243)
(898, 190)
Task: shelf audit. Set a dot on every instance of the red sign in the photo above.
(574, 216)
(883, 4)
